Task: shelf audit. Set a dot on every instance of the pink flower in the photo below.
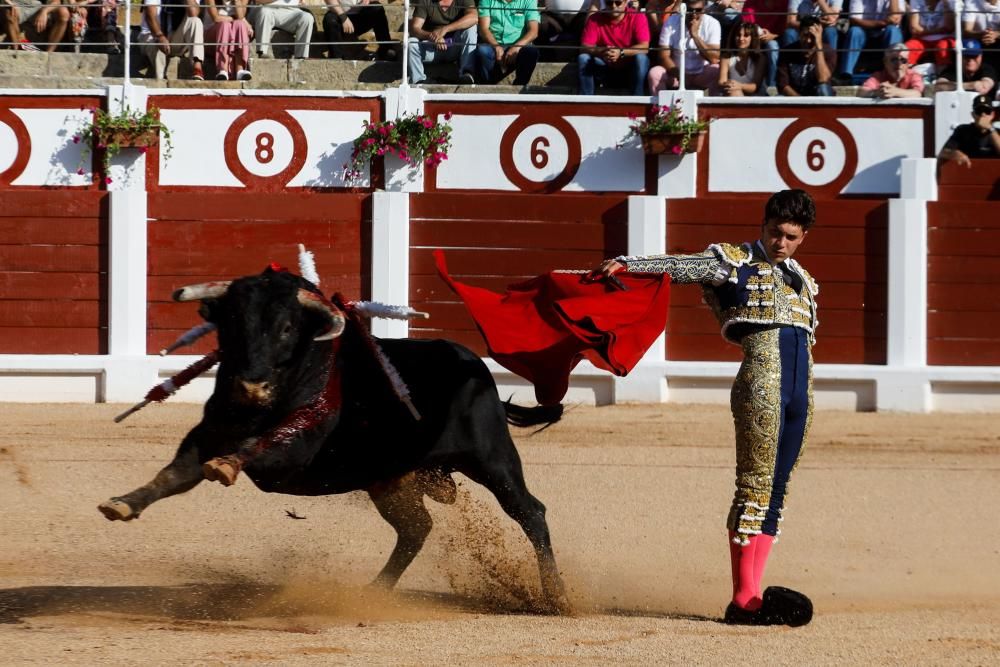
(380, 151)
(632, 116)
(79, 171)
(76, 139)
(447, 115)
(107, 180)
(676, 150)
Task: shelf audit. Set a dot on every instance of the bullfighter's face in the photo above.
(781, 238)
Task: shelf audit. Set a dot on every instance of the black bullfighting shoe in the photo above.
(739, 616)
(783, 606)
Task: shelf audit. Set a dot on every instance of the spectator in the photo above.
(507, 29)
(896, 79)
(741, 71)
(228, 34)
(982, 21)
(874, 23)
(770, 17)
(171, 32)
(701, 56)
(828, 12)
(102, 24)
(978, 139)
(727, 13)
(346, 20)
(805, 67)
(271, 15)
(977, 76)
(932, 25)
(443, 31)
(613, 49)
(561, 24)
(45, 21)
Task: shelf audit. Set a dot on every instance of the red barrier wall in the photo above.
(196, 237)
(846, 252)
(53, 272)
(963, 269)
(493, 240)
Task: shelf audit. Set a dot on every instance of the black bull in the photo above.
(271, 364)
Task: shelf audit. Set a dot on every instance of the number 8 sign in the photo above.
(819, 158)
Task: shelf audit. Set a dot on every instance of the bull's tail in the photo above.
(523, 417)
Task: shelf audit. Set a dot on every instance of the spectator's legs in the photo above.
(372, 17)
(465, 43)
(891, 34)
(639, 68)
(335, 33)
(216, 44)
(658, 80)
(486, 60)
(706, 79)
(157, 58)
(791, 35)
(525, 63)
(824, 90)
(830, 36)
(420, 52)
(771, 49)
(854, 42)
(943, 50)
(240, 36)
(188, 40)
(11, 24)
(300, 24)
(587, 71)
(915, 50)
(263, 27)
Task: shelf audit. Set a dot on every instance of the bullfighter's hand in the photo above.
(605, 270)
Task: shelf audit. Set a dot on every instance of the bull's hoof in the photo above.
(117, 509)
(439, 486)
(223, 470)
(557, 605)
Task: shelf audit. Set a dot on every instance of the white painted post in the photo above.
(677, 175)
(390, 277)
(907, 291)
(647, 224)
(127, 376)
(682, 65)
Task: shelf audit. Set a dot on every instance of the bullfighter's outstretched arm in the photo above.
(704, 267)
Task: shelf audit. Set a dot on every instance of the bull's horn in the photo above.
(313, 302)
(202, 291)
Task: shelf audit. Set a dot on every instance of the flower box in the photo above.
(671, 143)
(138, 137)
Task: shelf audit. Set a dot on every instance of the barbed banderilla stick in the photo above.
(169, 387)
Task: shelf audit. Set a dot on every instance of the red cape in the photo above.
(541, 328)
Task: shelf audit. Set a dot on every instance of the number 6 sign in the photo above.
(819, 158)
(540, 155)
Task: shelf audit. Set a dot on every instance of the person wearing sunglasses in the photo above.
(703, 37)
(977, 76)
(896, 79)
(976, 140)
(613, 49)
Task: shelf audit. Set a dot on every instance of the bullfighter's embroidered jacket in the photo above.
(745, 291)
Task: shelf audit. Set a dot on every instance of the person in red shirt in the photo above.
(895, 79)
(613, 49)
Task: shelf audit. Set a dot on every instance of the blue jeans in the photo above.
(592, 69)
(524, 65)
(830, 36)
(462, 49)
(859, 38)
(771, 50)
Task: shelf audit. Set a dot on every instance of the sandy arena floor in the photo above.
(891, 529)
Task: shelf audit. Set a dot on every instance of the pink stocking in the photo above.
(745, 592)
(761, 545)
